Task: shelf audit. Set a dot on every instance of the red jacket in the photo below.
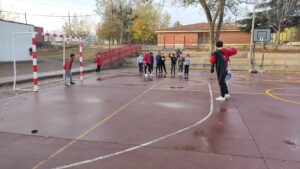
(98, 60)
(68, 64)
(147, 58)
(226, 52)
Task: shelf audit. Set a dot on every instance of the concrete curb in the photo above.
(54, 74)
(29, 78)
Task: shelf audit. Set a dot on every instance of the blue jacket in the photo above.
(158, 59)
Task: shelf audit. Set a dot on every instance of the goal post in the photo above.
(33, 54)
(34, 59)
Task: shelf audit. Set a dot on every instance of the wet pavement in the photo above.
(121, 120)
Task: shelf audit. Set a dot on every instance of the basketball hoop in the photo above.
(262, 35)
(261, 39)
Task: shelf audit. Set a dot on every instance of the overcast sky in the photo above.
(62, 7)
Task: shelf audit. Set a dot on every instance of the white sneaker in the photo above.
(220, 98)
(227, 96)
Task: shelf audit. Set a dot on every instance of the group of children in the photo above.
(145, 62)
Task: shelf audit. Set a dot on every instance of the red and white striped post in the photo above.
(34, 63)
(81, 58)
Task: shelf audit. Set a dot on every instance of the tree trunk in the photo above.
(220, 22)
(212, 19)
(278, 36)
(121, 35)
(109, 44)
(218, 31)
(212, 37)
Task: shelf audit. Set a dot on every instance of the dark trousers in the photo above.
(163, 67)
(223, 85)
(149, 68)
(186, 69)
(141, 67)
(158, 66)
(180, 70)
(173, 66)
(98, 68)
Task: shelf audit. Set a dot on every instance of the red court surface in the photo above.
(123, 121)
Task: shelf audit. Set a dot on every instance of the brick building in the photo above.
(39, 36)
(188, 36)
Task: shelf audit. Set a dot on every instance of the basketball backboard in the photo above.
(262, 35)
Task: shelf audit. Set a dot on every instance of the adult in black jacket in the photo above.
(219, 60)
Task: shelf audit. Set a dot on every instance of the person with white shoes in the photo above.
(140, 62)
(219, 60)
(187, 62)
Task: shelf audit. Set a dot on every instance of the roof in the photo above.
(200, 27)
(1, 20)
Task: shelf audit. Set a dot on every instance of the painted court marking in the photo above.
(269, 92)
(150, 142)
(94, 127)
(269, 80)
(87, 78)
(203, 91)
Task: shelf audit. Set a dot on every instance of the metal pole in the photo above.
(252, 32)
(14, 56)
(34, 63)
(25, 18)
(70, 23)
(70, 28)
(81, 58)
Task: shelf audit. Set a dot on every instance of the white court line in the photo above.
(29, 93)
(150, 142)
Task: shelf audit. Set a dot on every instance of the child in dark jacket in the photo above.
(173, 63)
(151, 61)
(163, 65)
(158, 63)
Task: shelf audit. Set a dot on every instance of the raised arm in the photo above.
(231, 51)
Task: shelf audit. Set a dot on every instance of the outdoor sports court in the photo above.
(122, 121)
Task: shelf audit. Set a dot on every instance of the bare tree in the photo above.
(109, 28)
(213, 9)
(284, 10)
(148, 20)
(81, 26)
(121, 12)
(6, 15)
(177, 23)
(220, 21)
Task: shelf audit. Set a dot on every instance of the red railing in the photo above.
(115, 54)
